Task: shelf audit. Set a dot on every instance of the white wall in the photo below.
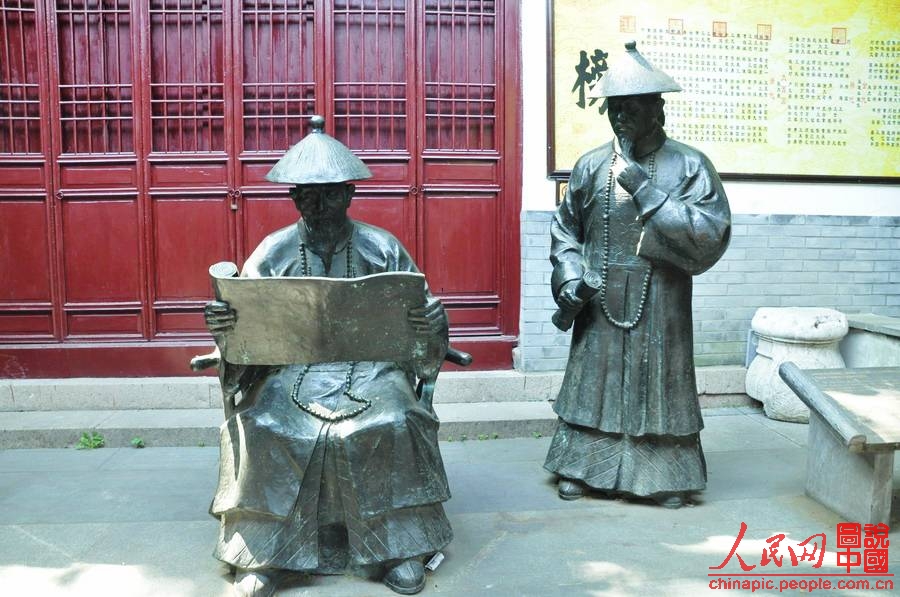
(822, 199)
(538, 193)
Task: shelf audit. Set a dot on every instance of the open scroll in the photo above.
(318, 320)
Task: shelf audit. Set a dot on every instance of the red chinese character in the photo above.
(770, 554)
(848, 537)
(733, 551)
(810, 554)
(848, 534)
(876, 561)
(876, 543)
(877, 536)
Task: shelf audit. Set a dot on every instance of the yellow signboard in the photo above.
(808, 88)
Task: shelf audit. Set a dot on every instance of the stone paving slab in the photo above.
(795, 432)
(124, 522)
(743, 432)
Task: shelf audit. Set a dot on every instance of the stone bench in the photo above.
(873, 341)
(854, 429)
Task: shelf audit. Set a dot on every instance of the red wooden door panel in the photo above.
(187, 86)
(471, 241)
(94, 55)
(276, 84)
(19, 81)
(181, 261)
(24, 273)
(465, 183)
(102, 250)
(191, 231)
(276, 40)
(263, 213)
(135, 137)
(27, 294)
(95, 170)
(394, 213)
(101, 263)
(190, 158)
(371, 98)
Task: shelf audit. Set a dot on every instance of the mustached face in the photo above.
(322, 206)
(633, 117)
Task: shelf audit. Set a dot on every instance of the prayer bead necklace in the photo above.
(305, 270)
(319, 411)
(316, 409)
(604, 271)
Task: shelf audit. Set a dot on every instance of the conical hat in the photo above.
(631, 74)
(318, 158)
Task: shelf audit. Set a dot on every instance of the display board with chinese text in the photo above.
(807, 88)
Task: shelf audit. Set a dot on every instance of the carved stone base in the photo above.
(806, 336)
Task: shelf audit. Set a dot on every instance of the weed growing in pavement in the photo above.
(90, 440)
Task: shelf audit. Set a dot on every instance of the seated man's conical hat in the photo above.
(318, 158)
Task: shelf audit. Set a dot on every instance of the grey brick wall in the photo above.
(847, 263)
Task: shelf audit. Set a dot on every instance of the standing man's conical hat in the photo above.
(632, 75)
(318, 158)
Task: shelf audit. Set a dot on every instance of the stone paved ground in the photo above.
(128, 522)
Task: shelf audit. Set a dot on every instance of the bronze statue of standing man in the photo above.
(644, 213)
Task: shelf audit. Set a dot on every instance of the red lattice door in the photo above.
(136, 135)
(190, 187)
(419, 91)
(27, 292)
(468, 212)
(96, 172)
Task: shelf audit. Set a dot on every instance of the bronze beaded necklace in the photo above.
(315, 409)
(604, 270)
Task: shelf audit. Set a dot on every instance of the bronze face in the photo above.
(323, 206)
(633, 117)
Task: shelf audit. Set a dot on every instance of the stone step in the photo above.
(194, 427)
(203, 392)
(200, 426)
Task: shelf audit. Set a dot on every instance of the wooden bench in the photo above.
(854, 429)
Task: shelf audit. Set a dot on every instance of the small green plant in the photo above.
(90, 440)
(138, 442)
(463, 437)
(482, 436)
(449, 438)
(495, 435)
(537, 435)
(201, 444)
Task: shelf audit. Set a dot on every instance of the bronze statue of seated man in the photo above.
(328, 467)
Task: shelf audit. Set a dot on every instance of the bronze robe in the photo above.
(301, 493)
(628, 408)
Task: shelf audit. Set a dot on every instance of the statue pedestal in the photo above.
(807, 336)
